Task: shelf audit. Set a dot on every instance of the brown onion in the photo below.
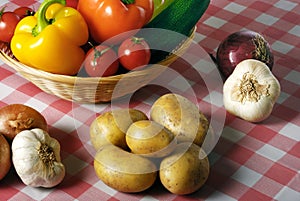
(242, 45)
(15, 118)
(5, 160)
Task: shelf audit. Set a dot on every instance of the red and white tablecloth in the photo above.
(250, 161)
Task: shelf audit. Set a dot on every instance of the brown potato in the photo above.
(111, 127)
(181, 117)
(124, 171)
(150, 139)
(185, 170)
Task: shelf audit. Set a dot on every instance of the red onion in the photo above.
(242, 45)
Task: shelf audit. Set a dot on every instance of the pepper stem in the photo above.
(2, 11)
(42, 21)
(128, 1)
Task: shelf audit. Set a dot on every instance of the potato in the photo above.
(185, 170)
(181, 117)
(124, 171)
(111, 127)
(150, 139)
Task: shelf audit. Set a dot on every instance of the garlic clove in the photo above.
(251, 91)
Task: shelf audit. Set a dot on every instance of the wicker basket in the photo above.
(90, 89)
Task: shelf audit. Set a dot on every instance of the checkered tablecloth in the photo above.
(249, 162)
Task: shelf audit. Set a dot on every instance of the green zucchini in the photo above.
(179, 19)
(180, 16)
(159, 6)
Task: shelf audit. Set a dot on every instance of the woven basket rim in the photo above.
(20, 67)
(44, 74)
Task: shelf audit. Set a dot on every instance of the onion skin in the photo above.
(15, 118)
(5, 157)
(240, 46)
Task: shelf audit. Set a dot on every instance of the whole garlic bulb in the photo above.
(251, 91)
(36, 158)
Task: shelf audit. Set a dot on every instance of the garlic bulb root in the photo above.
(249, 89)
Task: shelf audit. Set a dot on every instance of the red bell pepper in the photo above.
(109, 18)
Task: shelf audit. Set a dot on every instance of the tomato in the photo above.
(8, 23)
(24, 11)
(101, 61)
(5, 161)
(134, 52)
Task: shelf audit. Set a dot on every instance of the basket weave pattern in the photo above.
(90, 89)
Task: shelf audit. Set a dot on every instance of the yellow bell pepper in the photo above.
(51, 40)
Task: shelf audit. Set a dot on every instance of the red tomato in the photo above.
(24, 11)
(101, 61)
(134, 52)
(8, 23)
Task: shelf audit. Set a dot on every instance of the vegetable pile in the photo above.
(132, 149)
(26, 144)
(103, 38)
(96, 38)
